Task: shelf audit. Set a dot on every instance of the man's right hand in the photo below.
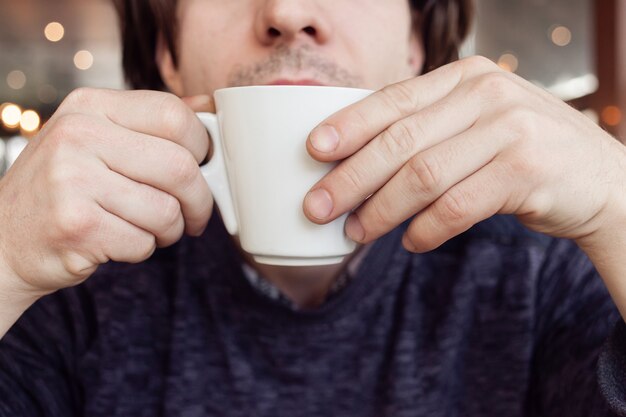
(111, 176)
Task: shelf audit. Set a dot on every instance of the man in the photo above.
(432, 317)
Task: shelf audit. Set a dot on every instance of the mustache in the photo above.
(295, 60)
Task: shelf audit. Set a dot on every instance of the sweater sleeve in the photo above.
(574, 316)
(612, 369)
(38, 357)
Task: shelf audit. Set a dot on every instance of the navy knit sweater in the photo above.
(497, 322)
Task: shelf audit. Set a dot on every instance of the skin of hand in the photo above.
(460, 144)
(114, 174)
(111, 176)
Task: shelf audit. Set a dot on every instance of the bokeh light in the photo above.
(508, 62)
(561, 36)
(611, 115)
(11, 115)
(83, 60)
(54, 31)
(29, 122)
(16, 79)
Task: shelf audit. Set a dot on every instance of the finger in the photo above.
(153, 113)
(487, 192)
(360, 175)
(103, 237)
(87, 235)
(351, 128)
(150, 209)
(122, 241)
(161, 164)
(200, 103)
(422, 180)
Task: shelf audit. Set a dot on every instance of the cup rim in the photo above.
(290, 87)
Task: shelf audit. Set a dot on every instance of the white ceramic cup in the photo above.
(260, 171)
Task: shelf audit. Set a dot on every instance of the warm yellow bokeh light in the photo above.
(83, 60)
(16, 79)
(30, 121)
(11, 115)
(508, 62)
(54, 31)
(561, 36)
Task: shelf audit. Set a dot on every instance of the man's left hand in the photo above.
(458, 145)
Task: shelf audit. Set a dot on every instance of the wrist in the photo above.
(608, 240)
(608, 233)
(16, 296)
(605, 248)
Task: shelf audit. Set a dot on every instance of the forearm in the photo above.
(607, 251)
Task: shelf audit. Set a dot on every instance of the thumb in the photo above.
(200, 103)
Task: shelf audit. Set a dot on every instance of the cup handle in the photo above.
(215, 174)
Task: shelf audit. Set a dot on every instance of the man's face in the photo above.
(358, 43)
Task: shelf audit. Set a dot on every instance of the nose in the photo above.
(291, 21)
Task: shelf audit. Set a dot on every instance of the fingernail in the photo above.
(324, 138)
(318, 203)
(354, 229)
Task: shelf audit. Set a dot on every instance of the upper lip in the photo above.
(289, 81)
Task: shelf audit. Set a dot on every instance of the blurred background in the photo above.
(574, 48)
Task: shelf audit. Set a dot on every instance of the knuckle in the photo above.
(401, 97)
(452, 207)
(399, 138)
(79, 98)
(76, 221)
(170, 212)
(351, 177)
(65, 136)
(477, 62)
(183, 168)
(175, 116)
(522, 165)
(145, 247)
(63, 177)
(379, 212)
(521, 121)
(141, 246)
(426, 176)
(493, 86)
(362, 120)
(77, 266)
(65, 128)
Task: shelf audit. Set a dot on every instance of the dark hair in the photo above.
(444, 24)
